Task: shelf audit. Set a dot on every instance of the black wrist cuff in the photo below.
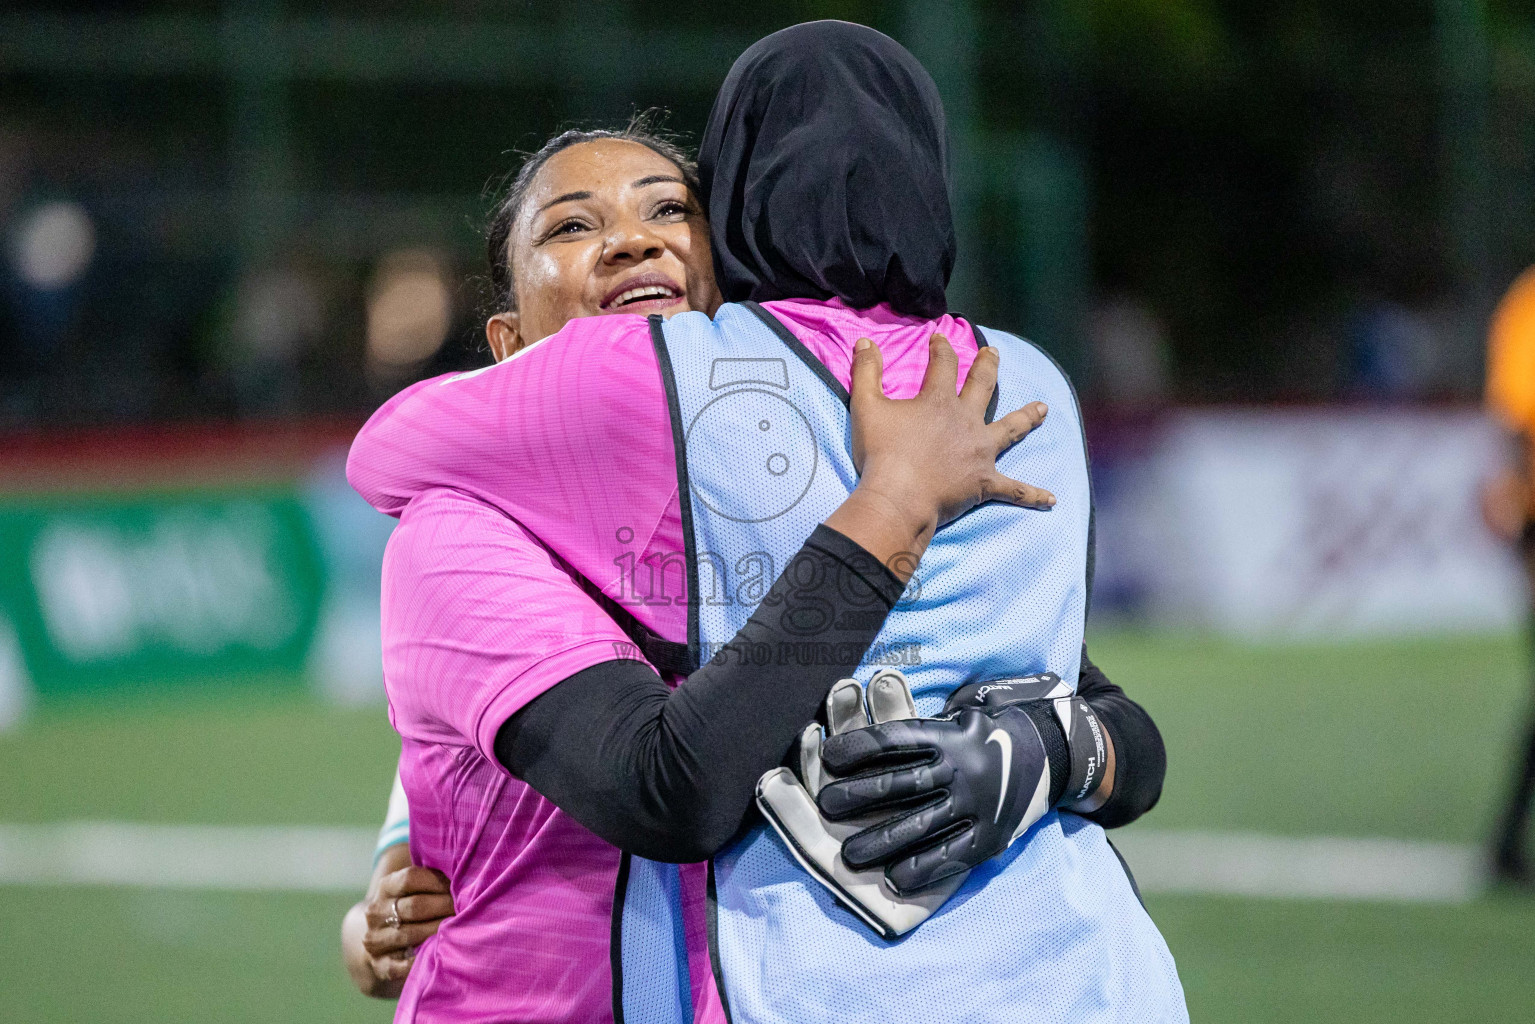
(1056, 748)
(1086, 745)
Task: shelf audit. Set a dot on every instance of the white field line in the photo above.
(1317, 867)
(320, 859)
(302, 858)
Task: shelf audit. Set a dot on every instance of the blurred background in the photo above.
(1265, 240)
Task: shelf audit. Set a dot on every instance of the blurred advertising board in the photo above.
(184, 557)
(1302, 523)
(103, 590)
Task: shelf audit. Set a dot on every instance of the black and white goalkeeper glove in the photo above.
(787, 799)
(957, 789)
(921, 801)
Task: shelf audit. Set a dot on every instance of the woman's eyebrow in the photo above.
(656, 179)
(566, 198)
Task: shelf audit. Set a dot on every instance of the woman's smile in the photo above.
(645, 294)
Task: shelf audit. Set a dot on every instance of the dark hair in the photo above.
(643, 128)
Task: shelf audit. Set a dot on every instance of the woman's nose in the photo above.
(632, 245)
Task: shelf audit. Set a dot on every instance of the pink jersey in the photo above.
(519, 487)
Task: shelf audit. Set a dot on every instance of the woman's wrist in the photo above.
(887, 527)
(359, 965)
(1105, 789)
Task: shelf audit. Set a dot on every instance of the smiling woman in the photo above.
(597, 222)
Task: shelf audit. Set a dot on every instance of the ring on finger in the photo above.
(393, 920)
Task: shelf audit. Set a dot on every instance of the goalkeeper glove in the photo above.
(927, 799)
(816, 842)
(958, 789)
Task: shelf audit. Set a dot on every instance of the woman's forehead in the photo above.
(597, 167)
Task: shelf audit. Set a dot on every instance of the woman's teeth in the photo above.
(651, 291)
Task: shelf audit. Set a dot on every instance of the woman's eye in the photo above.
(566, 228)
(671, 209)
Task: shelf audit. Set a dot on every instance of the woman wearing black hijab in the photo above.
(826, 168)
(825, 171)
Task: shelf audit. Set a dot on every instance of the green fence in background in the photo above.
(127, 590)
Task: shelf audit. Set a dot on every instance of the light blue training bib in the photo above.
(1052, 930)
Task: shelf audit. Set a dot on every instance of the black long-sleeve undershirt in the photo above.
(670, 774)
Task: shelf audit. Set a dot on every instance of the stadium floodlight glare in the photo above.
(410, 308)
(53, 245)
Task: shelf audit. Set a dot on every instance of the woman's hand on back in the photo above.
(926, 460)
(404, 907)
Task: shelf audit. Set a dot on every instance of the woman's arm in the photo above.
(671, 774)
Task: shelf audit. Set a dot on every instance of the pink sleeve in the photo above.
(479, 618)
(576, 421)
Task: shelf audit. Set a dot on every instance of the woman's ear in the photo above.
(504, 333)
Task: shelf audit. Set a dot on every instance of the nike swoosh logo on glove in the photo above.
(1005, 742)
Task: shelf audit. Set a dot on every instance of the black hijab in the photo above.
(825, 170)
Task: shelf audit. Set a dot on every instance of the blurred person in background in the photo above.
(277, 316)
(1508, 503)
(1394, 352)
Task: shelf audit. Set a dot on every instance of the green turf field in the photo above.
(1404, 740)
